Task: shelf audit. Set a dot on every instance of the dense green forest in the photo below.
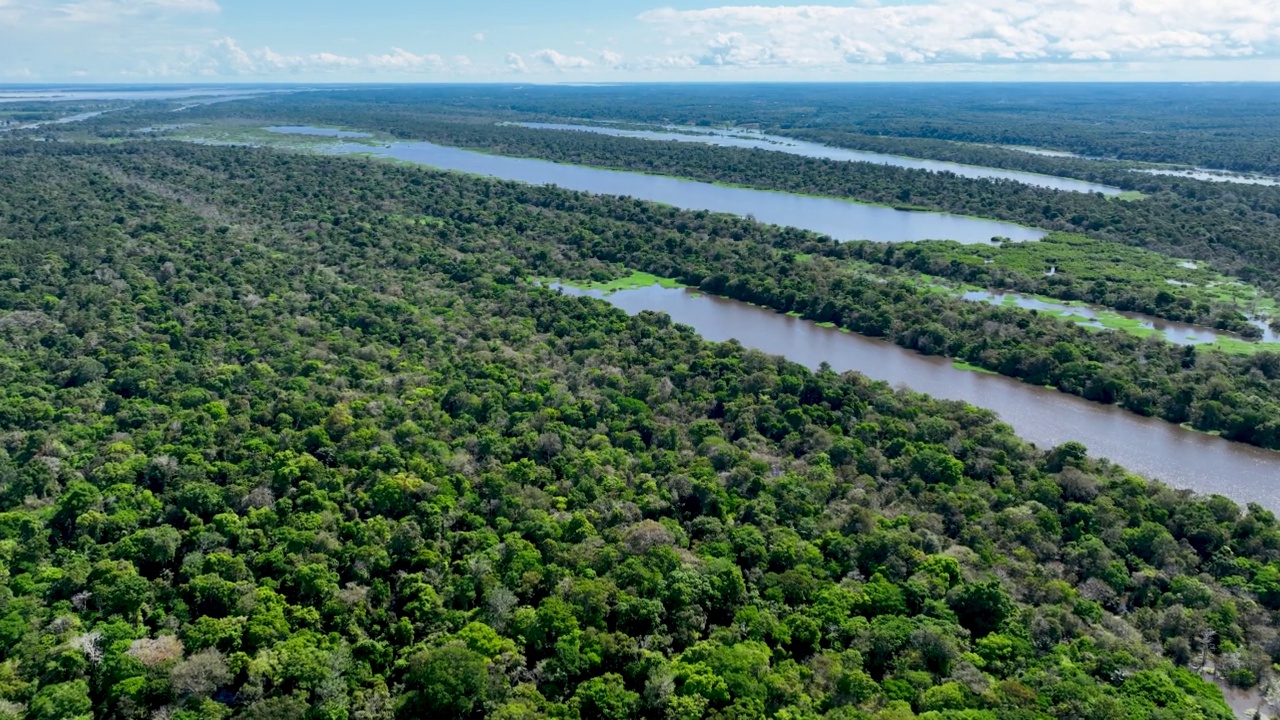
(1230, 127)
(1101, 273)
(1107, 172)
(1237, 396)
(288, 436)
(1235, 227)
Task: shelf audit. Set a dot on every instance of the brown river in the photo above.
(1153, 448)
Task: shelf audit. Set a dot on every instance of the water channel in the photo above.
(775, 143)
(317, 132)
(1218, 176)
(1148, 446)
(1179, 333)
(839, 219)
(1046, 417)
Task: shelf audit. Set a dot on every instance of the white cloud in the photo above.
(404, 61)
(515, 63)
(478, 37)
(24, 17)
(971, 31)
(558, 61)
(610, 58)
(227, 57)
(96, 12)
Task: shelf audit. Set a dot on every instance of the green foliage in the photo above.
(339, 465)
(605, 698)
(64, 701)
(451, 681)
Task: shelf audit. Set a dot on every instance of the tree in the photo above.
(201, 674)
(289, 707)
(64, 701)
(605, 698)
(981, 607)
(451, 681)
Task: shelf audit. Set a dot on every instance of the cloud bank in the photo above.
(971, 31)
(227, 57)
(50, 13)
(901, 39)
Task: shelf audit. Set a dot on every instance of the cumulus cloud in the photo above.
(404, 61)
(64, 15)
(968, 31)
(558, 61)
(227, 57)
(478, 37)
(610, 58)
(515, 63)
(110, 11)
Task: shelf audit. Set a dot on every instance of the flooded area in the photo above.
(1218, 176)
(1148, 446)
(760, 141)
(79, 117)
(1044, 416)
(1039, 151)
(67, 93)
(1175, 332)
(317, 131)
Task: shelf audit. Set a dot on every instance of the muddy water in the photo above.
(776, 143)
(1151, 447)
(839, 219)
(1175, 332)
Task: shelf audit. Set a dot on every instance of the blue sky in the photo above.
(635, 40)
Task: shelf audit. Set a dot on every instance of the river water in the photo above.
(317, 131)
(1148, 446)
(1179, 333)
(839, 219)
(67, 93)
(1219, 176)
(776, 143)
(1151, 447)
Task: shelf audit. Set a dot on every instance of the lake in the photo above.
(775, 143)
(839, 219)
(1148, 446)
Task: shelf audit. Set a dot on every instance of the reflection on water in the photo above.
(837, 218)
(1151, 447)
(1220, 176)
(80, 117)
(322, 132)
(1174, 332)
(1040, 151)
(760, 141)
(54, 93)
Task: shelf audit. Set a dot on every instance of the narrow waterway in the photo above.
(1148, 446)
(776, 143)
(1218, 176)
(840, 219)
(1179, 333)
